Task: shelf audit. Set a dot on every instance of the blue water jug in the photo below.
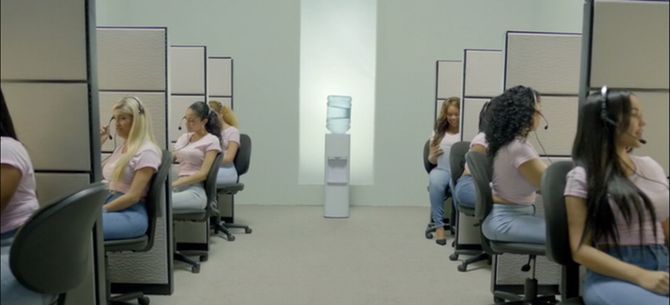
(338, 118)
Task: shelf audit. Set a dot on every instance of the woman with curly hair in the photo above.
(517, 168)
(445, 134)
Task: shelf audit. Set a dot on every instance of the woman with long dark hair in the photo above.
(445, 133)
(617, 205)
(517, 168)
(195, 152)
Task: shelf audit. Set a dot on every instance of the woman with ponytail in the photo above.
(230, 141)
(128, 171)
(617, 205)
(195, 152)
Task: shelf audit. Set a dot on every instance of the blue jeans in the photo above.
(514, 223)
(464, 192)
(438, 189)
(227, 175)
(11, 291)
(189, 198)
(128, 223)
(601, 290)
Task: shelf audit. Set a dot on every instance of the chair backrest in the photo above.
(457, 159)
(51, 252)
(482, 172)
(426, 164)
(243, 156)
(153, 199)
(553, 186)
(210, 182)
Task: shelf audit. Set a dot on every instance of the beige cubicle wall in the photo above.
(220, 79)
(448, 81)
(188, 74)
(49, 83)
(132, 61)
(626, 47)
(482, 80)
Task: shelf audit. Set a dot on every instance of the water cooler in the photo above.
(336, 178)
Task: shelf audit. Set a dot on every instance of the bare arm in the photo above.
(11, 177)
(476, 148)
(532, 171)
(601, 262)
(201, 174)
(137, 187)
(231, 152)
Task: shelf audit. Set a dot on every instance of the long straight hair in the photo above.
(225, 113)
(595, 149)
(6, 124)
(203, 112)
(442, 123)
(140, 132)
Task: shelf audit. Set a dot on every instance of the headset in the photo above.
(607, 120)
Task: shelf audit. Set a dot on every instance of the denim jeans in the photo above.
(514, 223)
(438, 189)
(464, 192)
(128, 223)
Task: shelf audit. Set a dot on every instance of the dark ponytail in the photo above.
(6, 124)
(203, 112)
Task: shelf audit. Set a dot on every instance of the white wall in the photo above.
(264, 38)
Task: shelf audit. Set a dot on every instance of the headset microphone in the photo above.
(180, 121)
(108, 124)
(641, 140)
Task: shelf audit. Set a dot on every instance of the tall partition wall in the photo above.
(482, 80)
(625, 46)
(220, 79)
(188, 74)
(448, 81)
(49, 81)
(133, 62)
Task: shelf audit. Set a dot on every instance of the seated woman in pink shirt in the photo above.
(517, 168)
(617, 205)
(195, 152)
(230, 141)
(128, 171)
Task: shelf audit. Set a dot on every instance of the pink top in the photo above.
(24, 201)
(148, 155)
(479, 139)
(507, 181)
(191, 155)
(230, 134)
(646, 169)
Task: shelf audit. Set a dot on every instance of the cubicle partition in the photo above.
(48, 77)
(625, 46)
(220, 79)
(482, 80)
(132, 61)
(448, 81)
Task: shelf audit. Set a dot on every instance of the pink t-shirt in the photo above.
(24, 201)
(148, 155)
(507, 181)
(646, 169)
(230, 134)
(479, 139)
(191, 155)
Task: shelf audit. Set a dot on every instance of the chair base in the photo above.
(530, 295)
(482, 256)
(431, 227)
(195, 266)
(124, 298)
(223, 227)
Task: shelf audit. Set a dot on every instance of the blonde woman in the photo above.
(445, 133)
(230, 140)
(128, 171)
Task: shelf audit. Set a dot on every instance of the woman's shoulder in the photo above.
(13, 147)
(647, 164)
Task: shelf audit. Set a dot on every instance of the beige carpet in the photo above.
(296, 257)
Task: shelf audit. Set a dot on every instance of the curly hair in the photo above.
(510, 115)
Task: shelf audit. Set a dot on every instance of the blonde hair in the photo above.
(225, 113)
(140, 132)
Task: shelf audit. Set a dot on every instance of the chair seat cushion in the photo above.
(131, 244)
(230, 189)
(518, 248)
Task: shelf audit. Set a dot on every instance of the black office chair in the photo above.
(145, 242)
(430, 228)
(481, 168)
(242, 161)
(457, 166)
(199, 215)
(51, 252)
(558, 239)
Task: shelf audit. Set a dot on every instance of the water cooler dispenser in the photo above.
(336, 183)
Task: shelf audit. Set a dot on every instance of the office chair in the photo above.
(145, 242)
(241, 162)
(457, 166)
(199, 215)
(558, 240)
(481, 168)
(430, 228)
(51, 252)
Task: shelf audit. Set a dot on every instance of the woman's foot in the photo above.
(440, 237)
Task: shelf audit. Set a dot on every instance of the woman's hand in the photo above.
(655, 281)
(434, 152)
(104, 134)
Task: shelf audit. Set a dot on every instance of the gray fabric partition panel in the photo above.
(448, 81)
(188, 66)
(133, 62)
(220, 79)
(482, 80)
(625, 47)
(49, 80)
(470, 109)
(561, 115)
(178, 105)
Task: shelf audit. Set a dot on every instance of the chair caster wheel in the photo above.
(247, 230)
(195, 269)
(231, 238)
(497, 300)
(204, 258)
(144, 300)
(429, 235)
(453, 257)
(462, 267)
